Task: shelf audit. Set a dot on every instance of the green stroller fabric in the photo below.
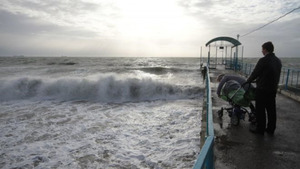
(232, 91)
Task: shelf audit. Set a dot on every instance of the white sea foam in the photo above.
(49, 134)
(99, 113)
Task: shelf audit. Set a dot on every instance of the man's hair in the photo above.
(268, 46)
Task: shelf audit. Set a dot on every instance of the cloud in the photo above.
(249, 11)
(56, 27)
(22, 24)
(229, 18)
(21, 34)
(93, 17)
(284, 35)
(136, 27)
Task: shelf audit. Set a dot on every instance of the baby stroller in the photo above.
(239, 100)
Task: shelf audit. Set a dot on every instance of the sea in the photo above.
(100, 112)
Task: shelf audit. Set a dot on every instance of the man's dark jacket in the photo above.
(267, 73)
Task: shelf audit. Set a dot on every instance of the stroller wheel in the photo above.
(252, 118)
(220, 113)
(235, 120)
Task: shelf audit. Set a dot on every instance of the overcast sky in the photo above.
(144, 27)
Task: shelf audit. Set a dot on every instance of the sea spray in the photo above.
(106, 88)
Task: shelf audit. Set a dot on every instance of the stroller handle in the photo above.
(236, 92)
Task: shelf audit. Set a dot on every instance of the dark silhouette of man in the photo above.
(267, 74)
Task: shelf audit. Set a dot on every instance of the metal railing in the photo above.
(289, 77)
(206, 156)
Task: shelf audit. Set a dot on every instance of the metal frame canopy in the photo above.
(224, 38)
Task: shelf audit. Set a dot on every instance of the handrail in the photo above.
(210, 127)
(289, 77)
(206, 156)
(205, 153)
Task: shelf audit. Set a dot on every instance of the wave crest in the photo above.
(104, 89)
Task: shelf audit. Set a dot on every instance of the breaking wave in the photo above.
(163, 70)
(110, 88)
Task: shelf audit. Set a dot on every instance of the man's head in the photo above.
(267, 48)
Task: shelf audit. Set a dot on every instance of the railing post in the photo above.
(287, 79)
(282, 74)
(292, 77)
(297, 79)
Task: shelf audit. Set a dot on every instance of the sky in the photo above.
(145, 28)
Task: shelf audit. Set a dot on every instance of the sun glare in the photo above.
(150, 19)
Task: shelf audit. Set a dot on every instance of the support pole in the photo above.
(242, 61)
(231, 62)
(216, 60)
(236, 54)
(201, 53)
(208, 58)
(222, 56)
(226, 55)
(287, 79)
(201, 59)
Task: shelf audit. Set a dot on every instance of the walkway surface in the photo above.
(237, 148)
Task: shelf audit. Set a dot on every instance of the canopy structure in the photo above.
(224, 38)
(232, 63)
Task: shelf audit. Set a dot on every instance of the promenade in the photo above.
(237, 148)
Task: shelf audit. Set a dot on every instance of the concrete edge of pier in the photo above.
(289, 94)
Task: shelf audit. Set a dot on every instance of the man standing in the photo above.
(267, 74)
(203, 72)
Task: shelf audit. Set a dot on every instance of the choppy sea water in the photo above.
(99, 112)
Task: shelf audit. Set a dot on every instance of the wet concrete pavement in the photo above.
(237, 148)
